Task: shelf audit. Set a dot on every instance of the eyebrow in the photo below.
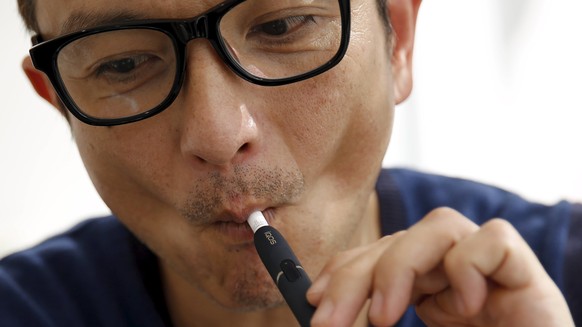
(79, 20)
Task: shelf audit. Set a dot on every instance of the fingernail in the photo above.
(322, 313)
(377, 306)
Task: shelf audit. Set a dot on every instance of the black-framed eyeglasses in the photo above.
(123, 73)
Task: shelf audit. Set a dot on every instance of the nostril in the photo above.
(244, 148)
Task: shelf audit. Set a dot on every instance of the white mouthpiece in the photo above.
(256, 220)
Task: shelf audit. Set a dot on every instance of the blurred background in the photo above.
(497, 99)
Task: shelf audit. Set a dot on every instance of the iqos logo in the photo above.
(271, 238)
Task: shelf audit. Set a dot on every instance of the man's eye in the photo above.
(121, 66)
(282, 26)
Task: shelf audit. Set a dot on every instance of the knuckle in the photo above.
(443, 213)
(500, 229)
(453, 259)
(448, 223)
(502, 232)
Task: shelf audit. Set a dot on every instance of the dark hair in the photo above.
(27, 10)
(28, 14)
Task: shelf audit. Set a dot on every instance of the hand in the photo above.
(455, 273)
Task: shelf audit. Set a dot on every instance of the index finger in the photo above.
(420, 251)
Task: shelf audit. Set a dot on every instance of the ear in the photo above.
(403, 14)
(42, 85)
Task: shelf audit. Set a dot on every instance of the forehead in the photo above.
(57, 17)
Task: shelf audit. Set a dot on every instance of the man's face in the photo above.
(185, 180)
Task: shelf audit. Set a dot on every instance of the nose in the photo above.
(217, 126)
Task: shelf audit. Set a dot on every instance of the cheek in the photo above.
(344, 115)
(130, 159)
(314, 116)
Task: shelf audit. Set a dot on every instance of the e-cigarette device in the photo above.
(283, 266)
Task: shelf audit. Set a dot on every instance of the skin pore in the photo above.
(308, 152)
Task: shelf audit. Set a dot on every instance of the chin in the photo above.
(252, 290)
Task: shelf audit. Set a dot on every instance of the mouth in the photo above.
(234, 229)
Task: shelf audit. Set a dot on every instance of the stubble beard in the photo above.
(251, 288)
(253, 291)
(215, 192)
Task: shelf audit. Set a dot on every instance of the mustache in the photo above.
(245, 185)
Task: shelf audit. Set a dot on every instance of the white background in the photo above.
(497, 98)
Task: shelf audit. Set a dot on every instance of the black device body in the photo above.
(286, 271)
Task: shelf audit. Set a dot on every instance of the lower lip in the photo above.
(238, 233)
(234, 232)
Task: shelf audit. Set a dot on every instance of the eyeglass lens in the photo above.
(123, 73)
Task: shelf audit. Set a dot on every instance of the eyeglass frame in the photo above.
(44, 55)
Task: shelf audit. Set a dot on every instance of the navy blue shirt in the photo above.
(99, 274)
